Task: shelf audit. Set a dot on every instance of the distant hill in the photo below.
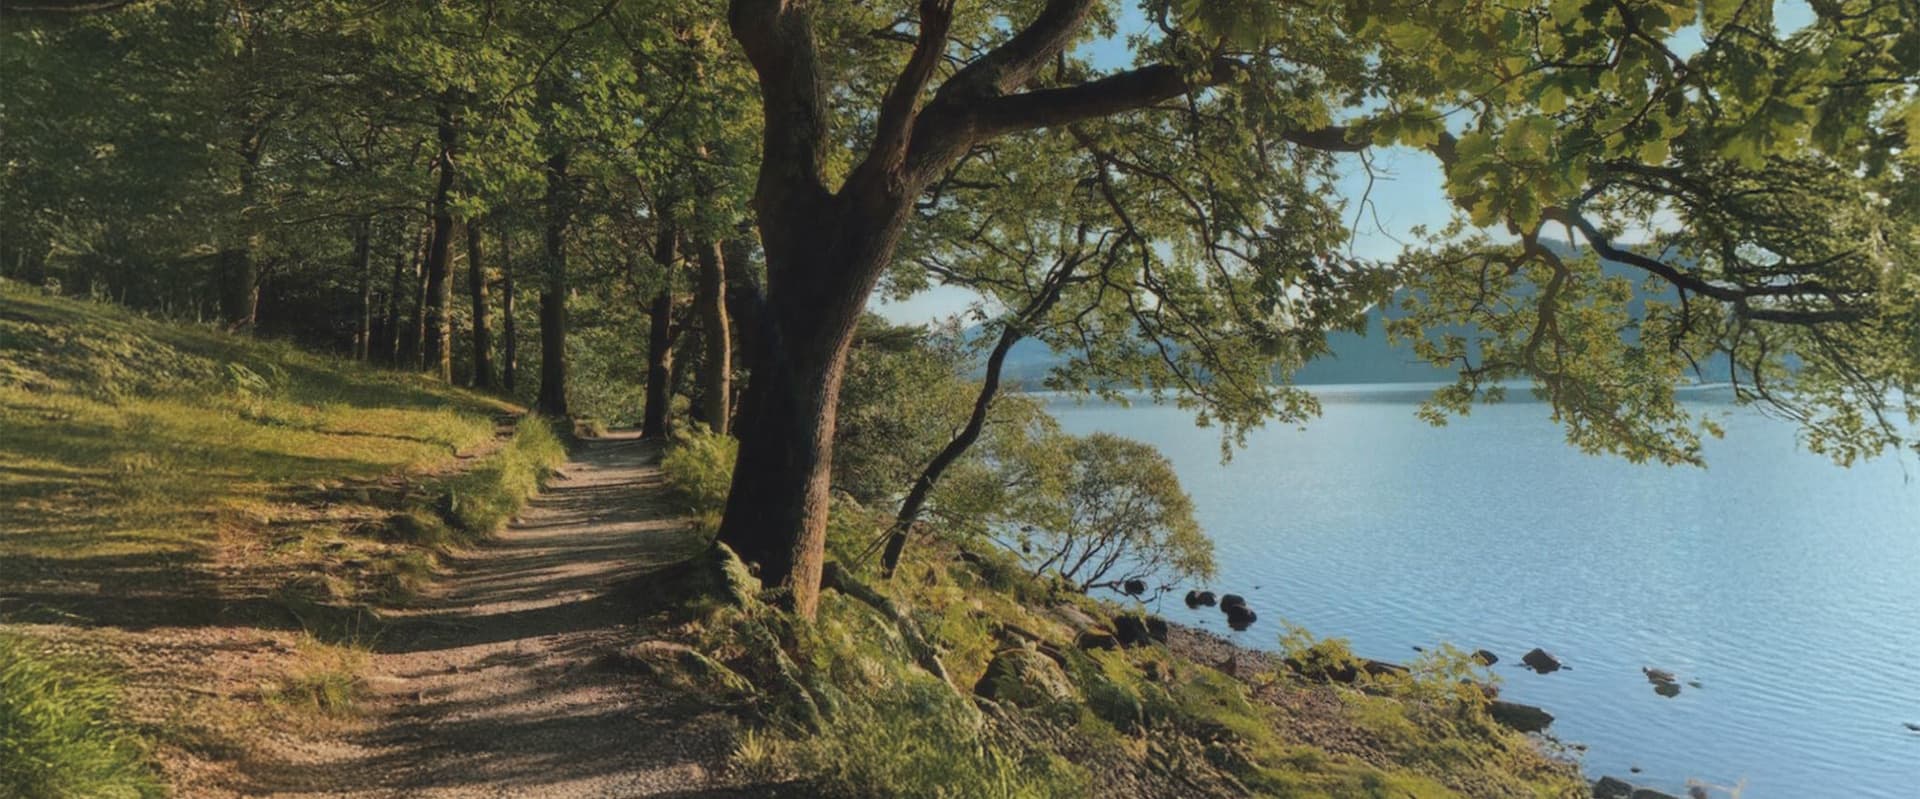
(1354, 358)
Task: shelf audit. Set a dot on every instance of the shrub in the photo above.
(58, 735)
(699, 469)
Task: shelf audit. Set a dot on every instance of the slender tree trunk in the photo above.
(916, 499)
(239, 288)
(553, 293)
(390, 337)
(363, 264)
(239, 267)
(510, 333)
(710, 299)
(417, 341)
(482, 334)
(654, 420)
(1015, 329)
(439, 336)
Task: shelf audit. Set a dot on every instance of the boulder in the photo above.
(1197, 599)
(1381, 668)
(1240, 617)
(1134, 587)
(1025, 678)
(1539, 660)
(1612, 788)
(1232, 601)
(1157, 629)
(1485, 658)
(1649, 793)
(1523, 718)
(1075, 617)
(1131, 629)
(1667, 689)
(1095, 639)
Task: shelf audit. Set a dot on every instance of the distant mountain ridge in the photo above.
(1353, 357)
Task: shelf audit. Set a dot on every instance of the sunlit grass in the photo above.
(127, 436)
(60, 734)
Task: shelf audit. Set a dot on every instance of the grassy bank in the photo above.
(162, 474)
(967, 677)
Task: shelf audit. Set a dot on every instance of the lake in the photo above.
(1787, 586)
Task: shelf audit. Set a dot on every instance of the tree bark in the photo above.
(553, 293)
(510, 331)
(363, 265)
(710, 299)
(826, 249)
(439, 335)
(482, 332)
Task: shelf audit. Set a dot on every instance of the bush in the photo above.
(58, 734)
(699, 470)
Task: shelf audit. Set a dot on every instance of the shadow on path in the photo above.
(494, 688)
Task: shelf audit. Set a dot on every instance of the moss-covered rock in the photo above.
(1026, 678)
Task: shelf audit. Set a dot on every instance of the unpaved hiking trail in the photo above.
(494, 688)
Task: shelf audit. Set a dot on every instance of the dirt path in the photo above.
(495, 688)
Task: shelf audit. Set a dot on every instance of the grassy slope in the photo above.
(843, 708)
(153, 473)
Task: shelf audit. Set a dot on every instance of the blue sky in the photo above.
(1407, 184)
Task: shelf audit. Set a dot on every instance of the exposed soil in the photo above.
(491, 686)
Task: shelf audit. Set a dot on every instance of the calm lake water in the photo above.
(1789, 587)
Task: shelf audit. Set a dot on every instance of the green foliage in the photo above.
(699, 470)
(1120, 515)
(60, 734)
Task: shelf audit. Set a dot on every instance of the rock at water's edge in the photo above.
(1541, 661)
(1519, 717)
(1612, 788)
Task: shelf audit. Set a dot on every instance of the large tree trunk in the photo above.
(363, 265)
(553, 293)
(824, 255)
(439, 343)
(710, 300)
(482, 334)
(510, 332)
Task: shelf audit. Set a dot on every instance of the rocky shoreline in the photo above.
(1210, 648)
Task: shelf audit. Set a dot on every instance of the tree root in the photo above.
(923, 652)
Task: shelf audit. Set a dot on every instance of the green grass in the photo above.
(892, 728)
(59, 734)
(127, 436)
(699, 471)
(326, 680)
